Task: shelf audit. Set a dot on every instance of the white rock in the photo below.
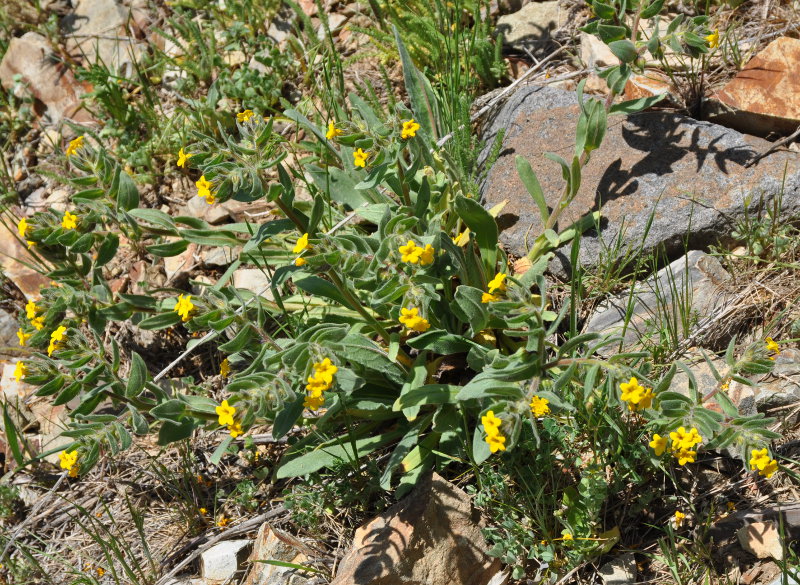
(254, 280)
(619, 571)
(595, 53)
(761, 539)
(532, 25)
(222, 560)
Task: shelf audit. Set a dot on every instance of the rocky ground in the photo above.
(688, 192)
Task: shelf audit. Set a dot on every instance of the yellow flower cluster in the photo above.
(360, 158)
(539, 406)
(225, 414)
(74, 146)
(773, 347)
(760, 460)
(20, 370)
(414, 254)
(496, 286)
(183, 157)
(23, 337)
(244, 116)
(491, 426)
(409, 130)
(683, 443)
(713, 40)
(184, 307)
(225, 368)
(204, 189)
(69, 221)
(637, 396)
(68, 460)
(56, 337)
(321, 380)
(333, 131)
(30, 312)
(412, 320)
(679, 518)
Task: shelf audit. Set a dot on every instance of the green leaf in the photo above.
(427, 394)
(161, 321)
(467, 306)
(82, 244)
(221, 449)
(531, 182)
(489, 388)
(441, 342)
(175, 431)
(239, 342)
(168, 249)
(127, 194)
(156, 217)
(339, 185)
(420, 93)
(318, 286)
(68, 393)
(107, 250)
(652, 10)
(137, 377)
(211, 237)
(634, 106)
(609, 33)
(138, 422)
(332, 453)
(171, 409)
(603, 11)
(624, 49)
(483, 226)
(12, 437)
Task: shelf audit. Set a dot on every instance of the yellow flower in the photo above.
(38, 322)
(683, 439)
(410, 128)
(679, 518)
(730, 506)
(235, 429)
(314, 402)
(225, 412)
(684, 456)
(316, 385)
(69, 221)
(325, 370)
(539, 406)
(333, 131)
(302, 244)
(498, 283)
(22, 227)
(426, 255)
(30, 243)
(769, 469)
(411, 319)
(360, 158)
(713, 40)
(299, 261)
(23, 337)
(772, 345)
(659, 444)
(645, 400)
(203, 511)
(74, 145)
(631, 390)
(203, 187)
(31, 309)
(223, 521)
(225, 368)
(100, 571)
(183, 157)
(20, 370)
(567, 536)
(410, 252)
(489, 420)
(68, 459)
(488, 298)
(56, 337)
(496, 442)
(184, 307)
(244, 116)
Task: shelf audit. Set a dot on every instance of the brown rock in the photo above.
(648, 84)
(276, 545)
(49, 82)
(12, 256)
(761, 539)
(432, 536)
(689, 176)
(764, 97)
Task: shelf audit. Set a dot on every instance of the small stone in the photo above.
(235, 58)
(58, 199)
(254, 280)
(14, 258)
(32, 59)
(198, 207)
(177, 268)
(530, 28)
(761, 539)
(650, 84)
(221, 561)
(620, 571)
(219, 257)
(277, 545)
(335, 23)
(309, 7)
(692, 285)
(595, 53)
(432, 536)
(764, 97)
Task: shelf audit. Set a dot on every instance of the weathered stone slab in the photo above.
(689, 175)
(530, 28)
(687, 290)
(764, 97)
